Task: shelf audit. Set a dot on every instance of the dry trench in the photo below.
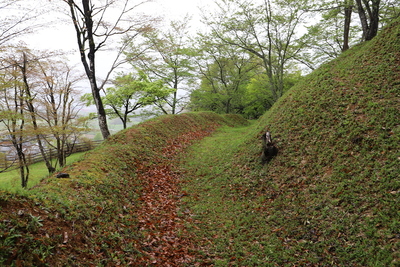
(167, 242)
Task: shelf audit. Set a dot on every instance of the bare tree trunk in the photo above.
(15, 131)
(101, 113)
(23, 169)
(22, 164)
(90, 70)
(174, 101)
(125, 120)
(31, 110)
(348, 10)
(369, 17)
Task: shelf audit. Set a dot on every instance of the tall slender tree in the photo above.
(13, 112)
(96, 23)
(348, 10)
(29, 99)
(60, 106)
(338, 27)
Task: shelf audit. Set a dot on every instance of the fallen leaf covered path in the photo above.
(167, 242)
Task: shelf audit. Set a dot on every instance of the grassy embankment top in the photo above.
(92, 216)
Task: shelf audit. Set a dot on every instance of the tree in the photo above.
(30, 101)
(332, 34)
(389, 10)
(368, 11)
(23, 61)
(257, 98)
(167, 57)
(337, 30)
(224, 71)
(268, 30)
(12, 113)
(348, 10)
(131, 93)
(23, 65)
(60, 106)
(94, 31)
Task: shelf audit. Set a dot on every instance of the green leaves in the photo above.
(131, 92)
(167, 57)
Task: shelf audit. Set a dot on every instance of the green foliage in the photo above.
(168, 57)
(139, 89)
(224, 78)
(325, 38)
(248, 42)
(258, 98)
(268, 30)
(131, 93)
(252, 98)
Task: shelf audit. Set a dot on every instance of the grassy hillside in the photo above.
(331, 196)
(103, 215)
(338, 172)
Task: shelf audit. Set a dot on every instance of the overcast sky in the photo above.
(62, 35)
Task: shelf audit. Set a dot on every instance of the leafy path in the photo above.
(121, 207)
(167, 241)
(173, 228)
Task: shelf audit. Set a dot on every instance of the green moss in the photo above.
(331, 195)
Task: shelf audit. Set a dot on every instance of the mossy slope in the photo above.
(331, 196)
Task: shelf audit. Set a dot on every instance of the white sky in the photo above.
(62, 36)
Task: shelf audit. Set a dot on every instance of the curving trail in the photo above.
(167, 241)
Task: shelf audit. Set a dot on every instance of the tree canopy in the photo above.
(130, 93)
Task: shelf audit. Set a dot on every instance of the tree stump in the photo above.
(269, 150)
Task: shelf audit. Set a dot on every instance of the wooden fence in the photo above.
(10, 161)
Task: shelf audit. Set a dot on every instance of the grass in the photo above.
(229, 228)
(11, 181)
(330, 197)
(245, 217)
